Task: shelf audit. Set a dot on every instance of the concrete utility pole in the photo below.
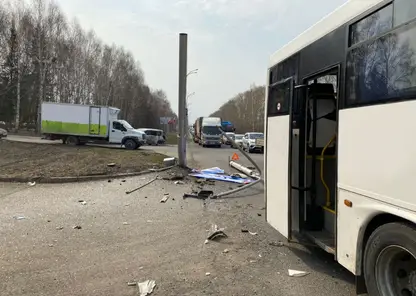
(183, 60)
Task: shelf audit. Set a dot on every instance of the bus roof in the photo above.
(343, 14)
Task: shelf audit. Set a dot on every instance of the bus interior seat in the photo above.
(325, 121)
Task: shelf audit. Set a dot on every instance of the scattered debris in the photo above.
(170, 161)
(240, 175)
(109, 181)
(126, 223)
(149, 221)
(77, 227)
(218, 174)
(19, 217)
(179, 183)
(216, 233)
(253, 261)
(48, 220)
(206, 241)
(131, 284)
(112, 164)
(123, 181)
(50, 245)
(207, 273)
(31, 184)
(203, 194)
(144, 185)
(164, 199)
(276, 244)
(252, 233)
(297, 273)
(173, 176)
(83, 202)
(59, 228)
(225, 251)
(258, 214)
(146, 287)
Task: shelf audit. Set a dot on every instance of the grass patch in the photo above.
(172, 138)
(31, 160)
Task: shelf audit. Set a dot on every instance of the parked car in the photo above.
(253, 142)
(153, 136)
(238, 139)
(3, 133)
(224, 139)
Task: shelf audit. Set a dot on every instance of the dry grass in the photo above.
(30, 160)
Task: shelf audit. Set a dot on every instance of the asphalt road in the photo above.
(135, 237)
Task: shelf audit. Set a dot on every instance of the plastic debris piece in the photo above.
(170, 161)
(252, 233)
(225, 251)
(297, 273)
(179, 183)
(59, 228)
(131, 284)
(276, 244)
(206, 241)
(146, 287)
(77, 227)
(19, 217)
(31, 183)
(111, 164)
(126, 223)
(164, 199)
(207, 273)
(217, 234)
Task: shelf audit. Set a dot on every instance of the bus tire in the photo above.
(389, 246)
(130, 144)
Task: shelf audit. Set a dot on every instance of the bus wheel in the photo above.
(390, 261)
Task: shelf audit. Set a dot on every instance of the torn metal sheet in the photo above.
(146, 287)
(220, 177)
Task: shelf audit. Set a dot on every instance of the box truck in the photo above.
(197, 130)
(78, 124)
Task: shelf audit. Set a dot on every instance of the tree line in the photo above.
(43, 57)
(245, 110)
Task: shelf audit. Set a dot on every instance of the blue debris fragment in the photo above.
(219, 175)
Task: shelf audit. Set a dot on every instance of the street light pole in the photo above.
(187, 113)
(194, 71)
(182, 110)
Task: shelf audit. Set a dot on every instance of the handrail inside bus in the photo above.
(328, 192)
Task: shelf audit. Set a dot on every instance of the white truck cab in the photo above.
(210, 132)
(121, 130)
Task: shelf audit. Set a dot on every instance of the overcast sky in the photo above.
(230, 41)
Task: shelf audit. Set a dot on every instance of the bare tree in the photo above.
(45, 58)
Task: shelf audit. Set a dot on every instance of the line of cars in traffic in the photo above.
(250, 142)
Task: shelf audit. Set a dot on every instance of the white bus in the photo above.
(340, 157)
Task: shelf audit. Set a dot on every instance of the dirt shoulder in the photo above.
(40, 161)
